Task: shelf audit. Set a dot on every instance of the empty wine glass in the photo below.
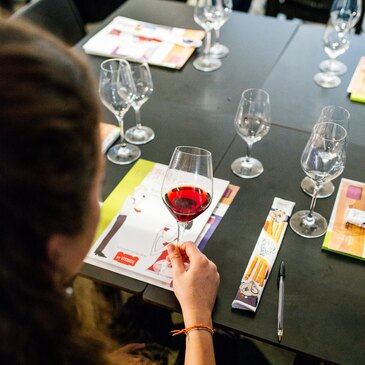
(206, 16)
(224, 9)
(143, 80)
(338, 10)
(334, 114)
(335, 43)
(187, 188)
(323, 159)
(252, 123)
(117, 92)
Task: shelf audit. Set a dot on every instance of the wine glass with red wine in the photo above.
(187, 189)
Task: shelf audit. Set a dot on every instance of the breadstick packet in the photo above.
(263, 256)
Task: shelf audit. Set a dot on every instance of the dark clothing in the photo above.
(96, 10)
(241, 5)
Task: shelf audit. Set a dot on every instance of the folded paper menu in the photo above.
(136, 40)
(345, 234)
(263, 256)
(136, 226)
(356, 88)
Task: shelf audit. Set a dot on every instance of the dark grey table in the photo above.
(325, 292)
(189, 107)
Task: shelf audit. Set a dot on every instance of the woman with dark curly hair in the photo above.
(50, 179)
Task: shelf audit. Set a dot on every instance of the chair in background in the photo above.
(59, 17)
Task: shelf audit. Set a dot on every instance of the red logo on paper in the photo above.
(126, 259)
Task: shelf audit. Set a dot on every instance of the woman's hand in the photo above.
(196, 287)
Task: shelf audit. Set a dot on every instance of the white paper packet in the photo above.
(263, 256)
(356, 217)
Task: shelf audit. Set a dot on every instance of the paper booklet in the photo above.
(135, 40)
(345, 235)
(136, 226)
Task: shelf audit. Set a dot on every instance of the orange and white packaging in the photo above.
(263, 256)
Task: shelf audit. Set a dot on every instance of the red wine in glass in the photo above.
(187, 188)
(187, 202)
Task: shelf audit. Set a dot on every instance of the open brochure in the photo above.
(345, 235)
(136, 226)
(136, 40)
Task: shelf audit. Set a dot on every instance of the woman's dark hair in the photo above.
(48, 158)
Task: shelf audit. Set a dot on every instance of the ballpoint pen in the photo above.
(281, 276)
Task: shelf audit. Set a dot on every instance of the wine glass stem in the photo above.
(217, 35)
(121, 126)
(138, 117)
(330, 65)
(180, 231)
(314, 200)
(249, 149)
(208, 42)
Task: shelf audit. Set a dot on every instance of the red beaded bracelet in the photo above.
(193, 328)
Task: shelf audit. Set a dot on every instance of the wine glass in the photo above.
(117, 92)
(224, 7)
(143, 80)
(206, 16)
(334, 114)
(187, 188)
(323, 159)
(335, 43)
(252, 123)
(344, 14)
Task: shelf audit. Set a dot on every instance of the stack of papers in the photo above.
(135, 40)
(136, 226)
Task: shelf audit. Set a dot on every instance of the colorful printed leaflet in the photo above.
(356, 88)
(263, 256)
(136, 226)
(135, 40)
(342, 236)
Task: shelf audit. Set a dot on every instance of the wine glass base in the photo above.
(218, 51)
(336, 67)
(316, 228)
(207, 64)
(248, 169)
(327, 81)
(325, 191)
(139, 135)
(123, 154)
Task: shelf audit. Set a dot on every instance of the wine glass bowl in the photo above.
(117, 92)
(206, 15)
(187, 188)
(351, 6)
(323, 159)
(224, 10)
(335, 43)
(338, 115)
(141, 73)
(252, 122)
